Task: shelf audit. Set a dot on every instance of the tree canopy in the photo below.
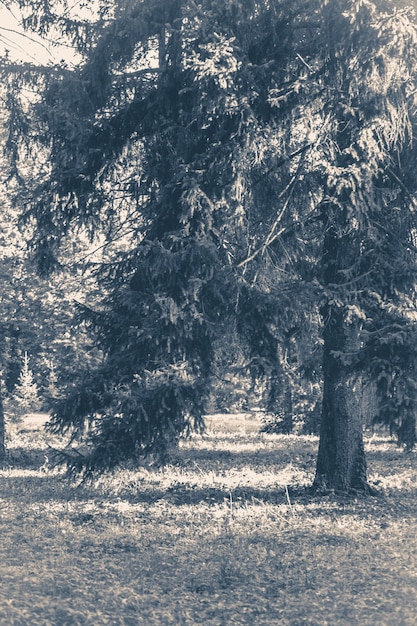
(246, 165)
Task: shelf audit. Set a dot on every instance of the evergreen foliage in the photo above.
(36, 314)
(246, 160)
(26, 394)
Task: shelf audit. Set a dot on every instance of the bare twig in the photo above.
(289, 501)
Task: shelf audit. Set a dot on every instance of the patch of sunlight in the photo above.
(251, 442)
(10, 472)
(195, 478)
(380, 443)
(400, 481)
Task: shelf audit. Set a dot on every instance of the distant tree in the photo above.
(2, 431)
(245, 160)
(37, 313)
(26, 394)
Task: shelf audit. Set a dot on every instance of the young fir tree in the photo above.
(254, 160)
(26, 395)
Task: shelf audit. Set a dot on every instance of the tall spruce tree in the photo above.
(245, 159)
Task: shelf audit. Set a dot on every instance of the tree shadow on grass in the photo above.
(397, 460)
(297, 504)
(272, 458)
(24, 458)
(46, 485)
(46, 488)
(26, 477)
(42, 488)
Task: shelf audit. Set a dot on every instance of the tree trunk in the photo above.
(287, 406)
(2, 429)
(341, 463)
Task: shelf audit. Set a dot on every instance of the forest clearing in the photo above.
(208, 208)
(224, 534)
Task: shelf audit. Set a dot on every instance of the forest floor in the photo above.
(224, 535)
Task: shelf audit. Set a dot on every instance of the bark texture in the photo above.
(341, 463)
(2, 431)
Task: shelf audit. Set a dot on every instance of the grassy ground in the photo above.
(222, 536)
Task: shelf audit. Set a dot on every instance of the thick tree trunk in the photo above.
(341, 463)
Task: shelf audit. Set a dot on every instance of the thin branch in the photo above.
(405, 244)
(383, 330)
(262, 249)
(282, 231)
(26, 36)
(150, 70)
(304, 62)
(283, 161)
(403, 187)
(102, 247)
(30, 67)
(6, 6)
(271, 237)
(357, 279)
(70, 8)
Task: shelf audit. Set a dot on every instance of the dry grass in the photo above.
(223, 535)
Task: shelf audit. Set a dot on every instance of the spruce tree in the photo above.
(26, 395)
(247, 160)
